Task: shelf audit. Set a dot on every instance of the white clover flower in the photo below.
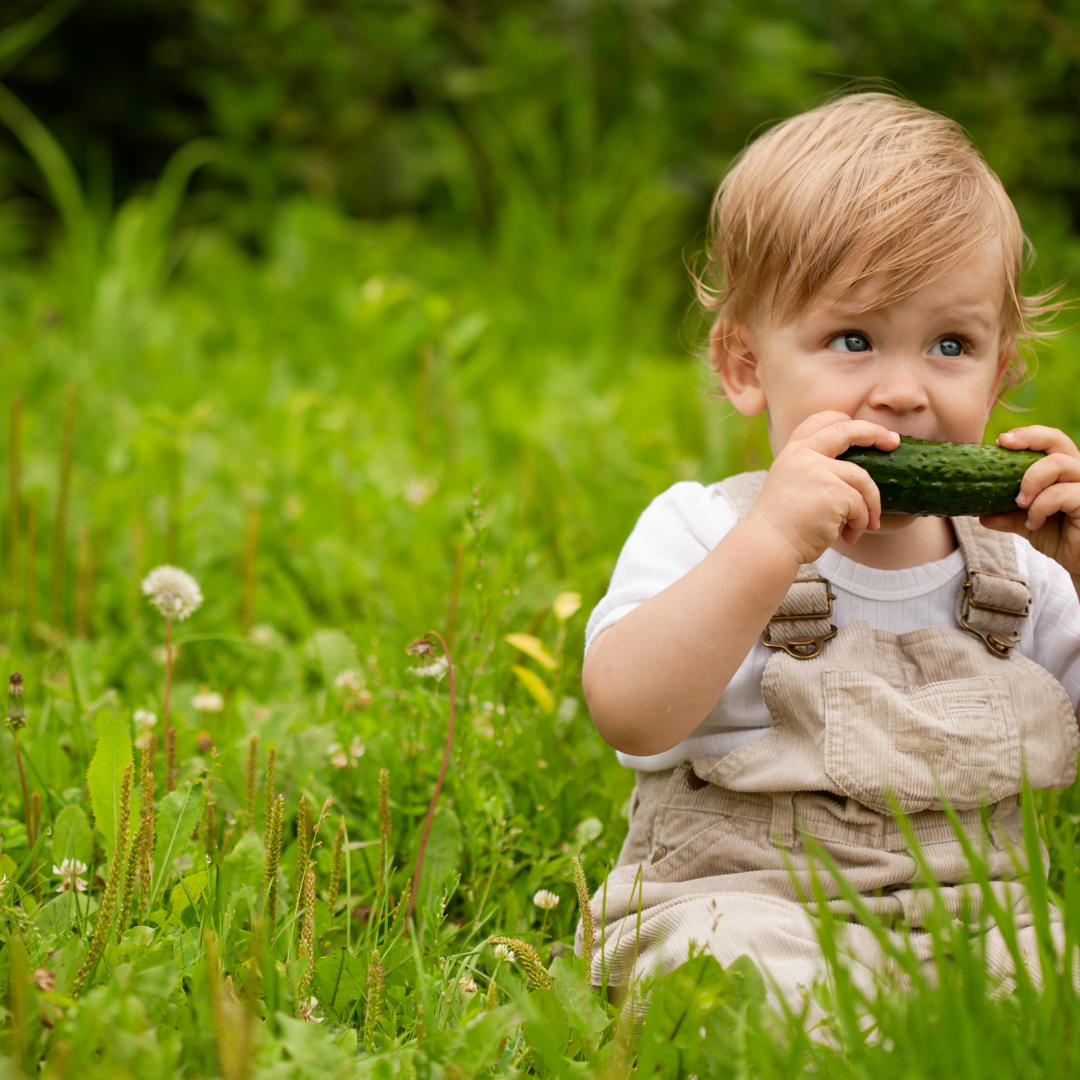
(307, 1011)
(350, 679)
(546, 900)
(504, 952)
(144, 717)
(208, 701)
(70, 870)
(262, 634)
(174, 592)
(467, 985)
(435, 670)
(343, 758)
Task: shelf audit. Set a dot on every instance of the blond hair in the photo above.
(868, 184)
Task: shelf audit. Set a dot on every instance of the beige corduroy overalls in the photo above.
(715, 854)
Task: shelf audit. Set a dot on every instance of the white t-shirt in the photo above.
(681, 526)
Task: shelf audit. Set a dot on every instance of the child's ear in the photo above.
(731, 349)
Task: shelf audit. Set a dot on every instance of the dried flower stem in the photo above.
(63, 498)
(33, 830)
(103, 926)
(251, 782)
(268, 783)
(376, 980)
(588, 923)
(334, 886)
(273, 859)
(147, 824)
(306, 948)
(442, 774)
(16, 720)
(528, 957)
(170, 733)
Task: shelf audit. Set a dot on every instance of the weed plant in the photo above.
(363, 435)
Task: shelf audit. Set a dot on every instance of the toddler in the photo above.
(777, 658)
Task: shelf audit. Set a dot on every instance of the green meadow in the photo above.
(356, 431)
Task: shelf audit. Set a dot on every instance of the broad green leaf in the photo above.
(338, 981)
(547, 1029)
(72, 837)
(536, 687)
(442, 854)
(244, 864)
(586, 832)
(104, 777)
(534, 647)
(177, 815)
(193, 885)
(335, 652)
(475, 1047)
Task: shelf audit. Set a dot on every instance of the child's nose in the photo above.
(899, 389)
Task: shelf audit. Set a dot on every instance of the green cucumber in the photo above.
(944, 479)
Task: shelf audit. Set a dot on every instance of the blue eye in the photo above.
(949, 346)
(850, 343)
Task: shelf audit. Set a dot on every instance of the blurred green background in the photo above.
(421, 243)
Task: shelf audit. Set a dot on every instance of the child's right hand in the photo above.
(809, 498)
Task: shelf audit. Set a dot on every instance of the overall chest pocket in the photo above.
(954, 738)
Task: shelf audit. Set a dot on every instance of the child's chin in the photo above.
(892, 523)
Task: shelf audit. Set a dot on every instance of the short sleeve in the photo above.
(674, 533)
(1055, 617)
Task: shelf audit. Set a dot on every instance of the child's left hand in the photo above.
(1049, 496)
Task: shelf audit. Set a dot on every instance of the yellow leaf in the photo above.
(565, 604)
(533, 647)
(537, 687)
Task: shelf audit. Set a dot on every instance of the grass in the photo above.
(367, 432)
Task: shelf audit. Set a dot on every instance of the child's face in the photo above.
(927, 366)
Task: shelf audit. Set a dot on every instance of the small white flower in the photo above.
(343, 758)
(435, 670)
(208, 701)
(70, 870)
(307, 1011)
(546, 900)
(350, 679)
(262, 635)
(3, 884)
(174, 592)
(467, 985)
(418, 491)
(504, 952)
(144, 717)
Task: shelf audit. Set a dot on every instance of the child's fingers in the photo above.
(864, 509)
(835, 438)
(1039, 437)
(1055, 468)
(1058, 498)
(1015, 522)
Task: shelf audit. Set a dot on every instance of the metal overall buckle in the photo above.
(998, 644)
(809, 647)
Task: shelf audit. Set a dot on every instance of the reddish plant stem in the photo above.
(170, 757)
(439, 782)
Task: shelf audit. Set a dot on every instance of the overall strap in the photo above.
(803, 621)
(993, 599)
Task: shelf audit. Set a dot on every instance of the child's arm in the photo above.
(1049, 498)
(654, 676)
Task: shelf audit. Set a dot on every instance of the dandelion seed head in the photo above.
(435, 670)
(546, 900)
(504, 953)
(174, 592)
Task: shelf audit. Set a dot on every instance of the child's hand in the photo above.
(810, 498)
(1049, 495)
